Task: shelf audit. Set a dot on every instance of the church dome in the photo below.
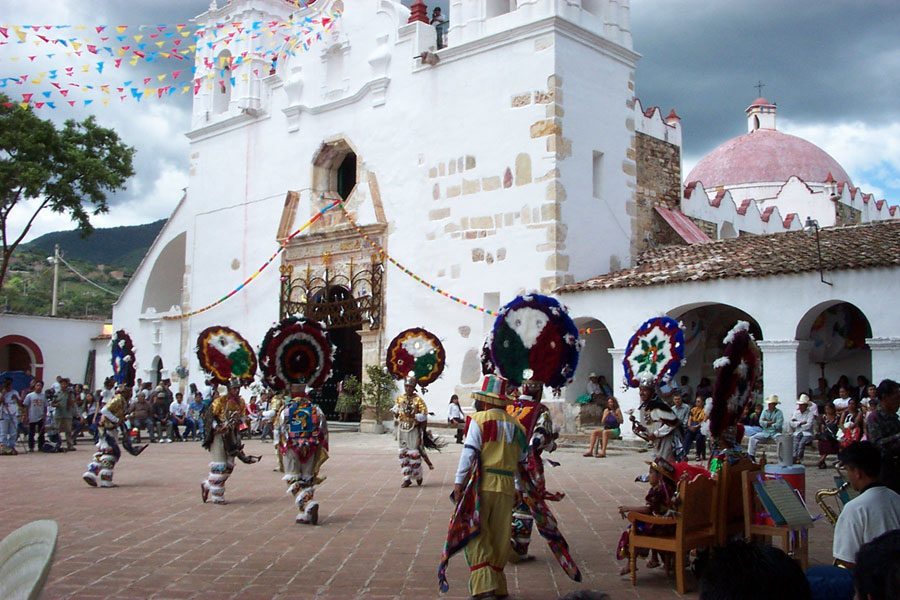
(765, 155)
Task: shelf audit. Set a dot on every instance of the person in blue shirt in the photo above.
(772, 422)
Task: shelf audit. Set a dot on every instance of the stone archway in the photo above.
(594, 358)
(833, 335)
(19, 353)
(705, 326)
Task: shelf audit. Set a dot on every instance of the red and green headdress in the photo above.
(416, 352)
(224, 354)
(654, 353)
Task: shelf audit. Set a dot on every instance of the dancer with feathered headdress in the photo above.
(416, 356)
(534, 343)
(297, 355)
(228, 359)
(113, 413)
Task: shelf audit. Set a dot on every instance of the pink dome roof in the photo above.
(765, 155)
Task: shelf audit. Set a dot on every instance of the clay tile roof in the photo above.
(683, 226)
(867, 246)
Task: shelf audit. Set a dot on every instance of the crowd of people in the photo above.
(55, 418)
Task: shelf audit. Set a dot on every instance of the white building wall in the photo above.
(439, 139)
(64, 345)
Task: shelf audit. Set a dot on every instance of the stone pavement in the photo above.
(152, 537)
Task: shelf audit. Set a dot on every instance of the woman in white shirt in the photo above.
(455, 415)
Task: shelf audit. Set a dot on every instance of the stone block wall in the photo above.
(658, 178)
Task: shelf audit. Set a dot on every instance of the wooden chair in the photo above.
(732, 499)
(695, 527)
(795, 543)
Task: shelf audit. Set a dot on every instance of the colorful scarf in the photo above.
(547, 526)
(465, 524)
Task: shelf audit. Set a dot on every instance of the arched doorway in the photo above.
(835, 333)
(19, 353)
(705, 326)
(157, 370)
(594, 358)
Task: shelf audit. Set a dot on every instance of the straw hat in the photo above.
(804, 399)
(773, 399)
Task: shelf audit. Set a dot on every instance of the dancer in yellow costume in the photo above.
(494, 445)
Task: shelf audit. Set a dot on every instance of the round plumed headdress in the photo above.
(296, 350)
(224, 355)
(122, 358)
(418, 353)
(654, 353)
(535, 332)
(738, 372)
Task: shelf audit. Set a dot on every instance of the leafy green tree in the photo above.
(69, 170)
(378, 392)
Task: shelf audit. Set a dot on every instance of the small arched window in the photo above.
(222, 88)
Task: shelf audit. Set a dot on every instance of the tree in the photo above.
(378, 392)
(69, 170)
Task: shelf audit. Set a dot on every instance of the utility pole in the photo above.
(55, 278)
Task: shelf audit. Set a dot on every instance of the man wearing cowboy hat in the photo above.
(498, 440)
(803, 426)
(772, 422)
(411, 413)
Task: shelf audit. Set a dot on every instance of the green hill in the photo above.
(120, 247)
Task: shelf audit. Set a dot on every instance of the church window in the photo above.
(346, 176)
(495, 8)
(222, 88)
(597, 174)
(334, 170)
(755, 122)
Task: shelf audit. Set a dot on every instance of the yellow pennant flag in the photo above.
(24, 105)
(20, 34)
(105, 101)
(133, 61)
(36, 81)
(121, 28)
(161, 77)
(186, 89)
(138, 38)
(85, 68)
(80, 27)
(76, 46)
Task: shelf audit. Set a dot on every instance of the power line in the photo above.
(96, 285)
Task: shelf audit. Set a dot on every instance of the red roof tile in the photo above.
(866, 246)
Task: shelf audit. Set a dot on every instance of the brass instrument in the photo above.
(830, 514)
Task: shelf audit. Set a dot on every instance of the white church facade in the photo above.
(517, 158)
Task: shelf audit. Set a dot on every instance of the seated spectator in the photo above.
(612, 420)
(142, 417)
(742, 571)
(821, 394)
(851, 429)
(195, 408)
(843, 400)
(828, 429)
(803, 427)
(694, 431)
(704, 390)
(178, 416)
(160, 415)
(876, 575)
(772, 422)
(455, 416)
(659, 502)
(750, 419)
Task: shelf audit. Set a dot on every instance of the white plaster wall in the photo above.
(243, 165)
(64, 344)
(777, 303)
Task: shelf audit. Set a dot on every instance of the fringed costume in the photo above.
(100, 471)
(227, 358)
(223, 441)
(303, 447)
(297, 353)
(411, 413)
(417, 356)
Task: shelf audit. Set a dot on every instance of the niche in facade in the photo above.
(335, 169)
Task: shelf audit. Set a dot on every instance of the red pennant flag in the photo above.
(71, 103)
(64, 92)
(27, 97)
(38, 104)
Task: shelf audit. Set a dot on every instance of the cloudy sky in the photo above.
(831, 66)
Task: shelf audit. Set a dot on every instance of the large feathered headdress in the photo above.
(122, 358)
(296, 350)
(535, 332)
(738, 372)
(654, 353)
(224, 354)
(416, 352)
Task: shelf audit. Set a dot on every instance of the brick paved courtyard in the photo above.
(153, 538)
